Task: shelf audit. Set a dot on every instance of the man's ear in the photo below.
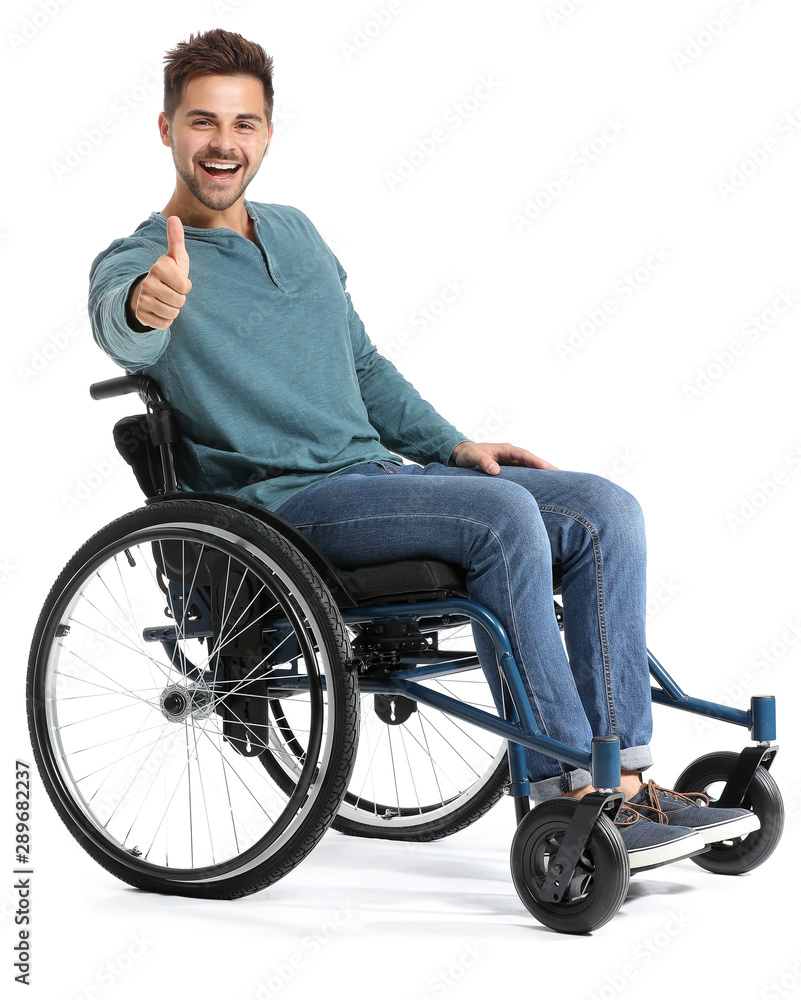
(164, 128)
(269, 139)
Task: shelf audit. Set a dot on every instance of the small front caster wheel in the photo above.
(741, 854)
(599, 883)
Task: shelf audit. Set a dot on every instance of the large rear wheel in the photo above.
(155, 657)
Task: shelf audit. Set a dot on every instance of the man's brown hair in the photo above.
(216, 52)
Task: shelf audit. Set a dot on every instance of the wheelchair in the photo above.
(207, 694)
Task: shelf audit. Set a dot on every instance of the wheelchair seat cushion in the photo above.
(404, 580)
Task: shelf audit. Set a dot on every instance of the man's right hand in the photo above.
(157, 298)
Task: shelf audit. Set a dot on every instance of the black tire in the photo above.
(202, 820)
(742, 854)
(601, 879)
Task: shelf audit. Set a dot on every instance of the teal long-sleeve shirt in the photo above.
(273, 379)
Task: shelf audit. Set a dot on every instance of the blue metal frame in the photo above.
(760, 719)
(518, 725)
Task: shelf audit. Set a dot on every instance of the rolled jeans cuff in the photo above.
(631, 759)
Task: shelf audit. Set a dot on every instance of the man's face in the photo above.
(220, 122)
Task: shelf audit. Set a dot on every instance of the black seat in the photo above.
(405, 580)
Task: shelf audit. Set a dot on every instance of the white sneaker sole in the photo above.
(739, 827)
(662, 854)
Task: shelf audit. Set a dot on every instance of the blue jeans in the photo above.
(507, 531)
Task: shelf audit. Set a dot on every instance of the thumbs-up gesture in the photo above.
(157, 298)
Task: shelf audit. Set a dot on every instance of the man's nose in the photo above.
(224, 139)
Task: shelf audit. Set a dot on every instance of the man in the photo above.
(283, 400)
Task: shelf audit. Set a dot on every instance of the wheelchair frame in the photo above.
(400, 674)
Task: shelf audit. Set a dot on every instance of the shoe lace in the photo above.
(654, 791)
(660, 817)
(627, 816)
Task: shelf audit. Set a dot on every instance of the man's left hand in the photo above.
(490, 457)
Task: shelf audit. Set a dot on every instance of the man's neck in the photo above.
(200, 217)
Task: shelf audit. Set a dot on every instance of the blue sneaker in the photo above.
(694, 811)
(651, 844)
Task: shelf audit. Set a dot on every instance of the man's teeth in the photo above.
(219, 166)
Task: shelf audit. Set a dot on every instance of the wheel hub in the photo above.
(179, 702)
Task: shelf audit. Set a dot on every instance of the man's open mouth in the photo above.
(219, 168)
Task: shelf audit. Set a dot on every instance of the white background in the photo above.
(700, 99)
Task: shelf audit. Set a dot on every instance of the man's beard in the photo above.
(217, 200)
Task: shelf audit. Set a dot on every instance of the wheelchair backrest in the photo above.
(132, 440)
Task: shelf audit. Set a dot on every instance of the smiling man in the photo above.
(216, 153)
(283, 400)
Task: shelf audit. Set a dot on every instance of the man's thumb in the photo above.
(176, 247)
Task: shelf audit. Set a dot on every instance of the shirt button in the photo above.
(277, 274)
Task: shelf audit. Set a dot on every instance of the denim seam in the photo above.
(610, 704)
(488, 527)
